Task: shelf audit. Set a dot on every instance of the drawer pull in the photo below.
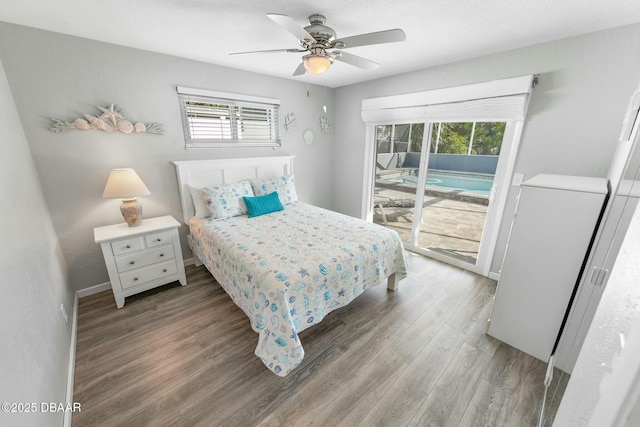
(128, 246)
(161, 255)
(164, 270)
(158, 240)
(132, 262)
(135, 279)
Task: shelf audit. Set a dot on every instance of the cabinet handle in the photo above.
(132, 262)
(135, 279)
(164, 270)
(128, 246)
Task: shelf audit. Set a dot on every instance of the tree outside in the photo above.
(453, 138)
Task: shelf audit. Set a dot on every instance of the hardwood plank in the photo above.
(469, 311)
(554, 395)
(510, 394)
(447, 402)
(185, 356)
(434, 315)
(351, 403)
(403, 399)
(477, 336)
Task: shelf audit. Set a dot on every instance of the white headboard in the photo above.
(199, 173)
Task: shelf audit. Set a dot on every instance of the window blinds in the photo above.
(499, 100)
(216, 119)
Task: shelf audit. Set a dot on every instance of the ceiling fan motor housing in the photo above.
(323, 34)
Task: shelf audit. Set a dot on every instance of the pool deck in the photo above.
(452, 221)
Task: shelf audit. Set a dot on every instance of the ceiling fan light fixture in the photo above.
(317, 63)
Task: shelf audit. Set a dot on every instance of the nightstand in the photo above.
(143, 257)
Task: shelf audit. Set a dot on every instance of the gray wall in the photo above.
(34, 359)
(572, 125)
(54, 75)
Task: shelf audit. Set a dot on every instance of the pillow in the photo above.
(225, 201)
(197, 196)
(263, 204)
(285, 186)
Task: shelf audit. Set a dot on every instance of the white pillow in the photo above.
(200, 206)
(285, 186)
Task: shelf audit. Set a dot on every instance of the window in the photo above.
(471, 138)
(216, 119)
(400, 138)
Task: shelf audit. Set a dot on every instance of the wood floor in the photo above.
(419, 356)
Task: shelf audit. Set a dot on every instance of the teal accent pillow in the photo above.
(263, 204)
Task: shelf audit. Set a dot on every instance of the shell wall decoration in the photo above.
(111, 120)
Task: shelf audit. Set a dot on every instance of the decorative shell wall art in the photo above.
(324, 124)
(289, 122)
(111, 120)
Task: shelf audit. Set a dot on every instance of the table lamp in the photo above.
(126, 184)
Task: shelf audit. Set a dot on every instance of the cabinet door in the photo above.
(548, 243)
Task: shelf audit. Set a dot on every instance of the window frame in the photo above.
(236, 103)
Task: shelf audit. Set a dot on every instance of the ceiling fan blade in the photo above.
(379, 37)
(268, 51)
(292, 26)
(300, 70)
(355, 60)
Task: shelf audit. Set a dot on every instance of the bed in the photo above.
(286, 269)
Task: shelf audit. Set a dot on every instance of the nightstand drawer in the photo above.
(147, 274)
(157, 239)
(126, 246)
(144, 258)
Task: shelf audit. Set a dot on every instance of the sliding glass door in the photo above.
(436, 187)
(398, 152)
(433, 154)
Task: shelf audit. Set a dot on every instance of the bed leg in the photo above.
(392, 282)
(197, 261)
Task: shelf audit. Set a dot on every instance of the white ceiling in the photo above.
(438, 31)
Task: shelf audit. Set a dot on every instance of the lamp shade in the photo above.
(317, 63)
(125, 183)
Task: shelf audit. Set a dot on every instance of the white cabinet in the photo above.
(143, 257)
(555, 219)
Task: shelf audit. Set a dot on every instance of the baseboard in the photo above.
(72, 362)
(106, 286)
(494, 276)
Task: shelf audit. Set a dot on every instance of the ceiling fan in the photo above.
(317, 39)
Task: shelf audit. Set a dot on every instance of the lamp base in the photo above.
(131, 211)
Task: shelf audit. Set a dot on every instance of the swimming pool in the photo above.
(467, 182)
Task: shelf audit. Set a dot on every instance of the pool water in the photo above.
(480, 184)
